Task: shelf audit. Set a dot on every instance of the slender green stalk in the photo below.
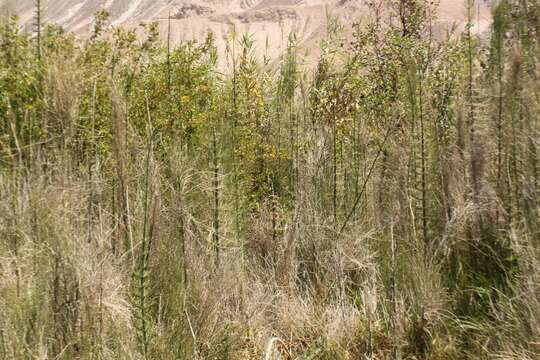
(169, 53)
(93, 154)
(423, 163)
(499, 29)
(412, 80)
(334, 171)
(215, 187)
(471, 106)
(393, 289)
(146, 238)
(38, 25)
(234, 139)
(499, 122)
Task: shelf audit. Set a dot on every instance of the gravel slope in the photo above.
(267, 21)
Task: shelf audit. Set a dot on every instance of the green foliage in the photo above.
(388, 197)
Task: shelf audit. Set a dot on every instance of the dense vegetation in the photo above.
(383, 205)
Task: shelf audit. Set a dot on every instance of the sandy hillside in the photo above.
(267, 21)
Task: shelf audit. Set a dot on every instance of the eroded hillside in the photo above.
(267, 21)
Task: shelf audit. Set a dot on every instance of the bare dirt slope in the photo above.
(267, 21)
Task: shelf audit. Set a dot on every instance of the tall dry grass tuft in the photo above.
(72, 299)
